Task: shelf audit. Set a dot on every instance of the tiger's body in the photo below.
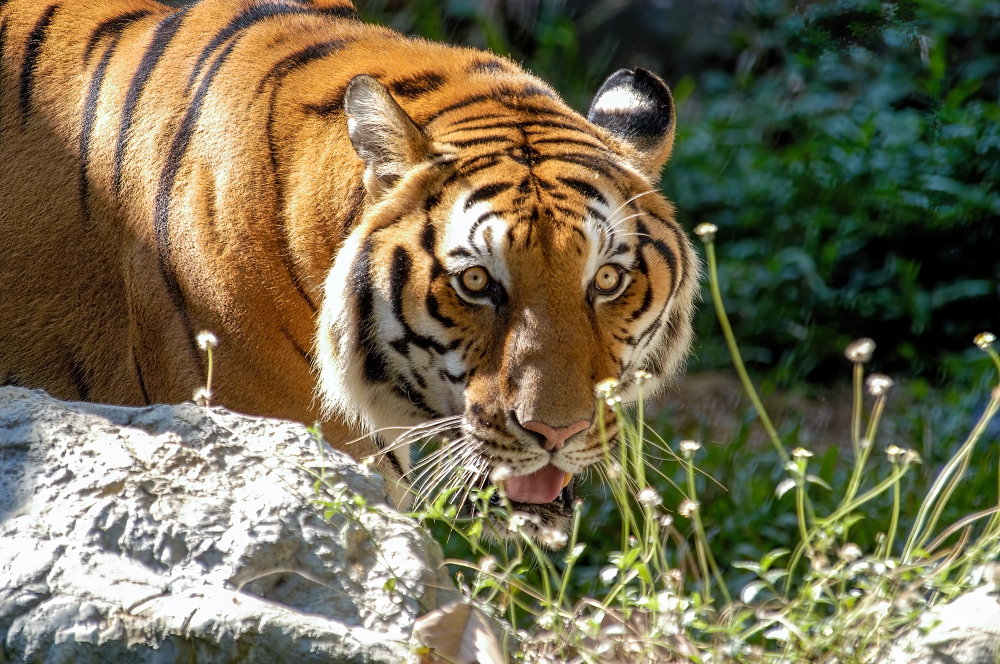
(318, 192)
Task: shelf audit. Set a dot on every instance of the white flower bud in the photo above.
(849, 552)
(687, 508)
(706, 232)
(202, 396)
(878, 384)
(860, 351)
(649, 497)
(206, 340)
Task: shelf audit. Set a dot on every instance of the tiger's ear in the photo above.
(382, 134)
(636, 107)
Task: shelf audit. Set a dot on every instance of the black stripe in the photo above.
(428, 240)
(79, 375)
(485, 161)
(593, 162)
(257, 14)
(486, 193)
(32, 49)
(502, 94)
(277, 74)
(650, 331)
(112, 26)
(594, 143)
(333, 104)
(572, 214)
(164, 33)
(375, 367)
(161, 210)
(87, 124)
(542, 118)
(354, 209)
(416, 85)
(471, 237)
(679, 237)
(391, 455)
(481, 140)
(487, 66)
(298, 349)
(647, 297)
(665, 252)
(487, 119)
(585, 189)
(399, 275)
(142, 381)
(299, 59)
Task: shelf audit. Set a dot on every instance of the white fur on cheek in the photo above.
(343, 389)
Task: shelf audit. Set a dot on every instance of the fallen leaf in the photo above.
(457, 633)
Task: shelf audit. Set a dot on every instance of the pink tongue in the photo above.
(541, 486)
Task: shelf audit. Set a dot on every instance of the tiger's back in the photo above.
(145, 151)
(168, 171)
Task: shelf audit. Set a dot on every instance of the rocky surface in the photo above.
(963, 631)
(177, 533)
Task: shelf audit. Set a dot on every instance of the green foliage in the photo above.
(858, 178)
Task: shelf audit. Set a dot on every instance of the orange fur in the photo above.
(221, 195)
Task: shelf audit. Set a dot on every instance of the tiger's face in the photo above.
(506, 267)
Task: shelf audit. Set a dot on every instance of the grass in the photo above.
(695, 552)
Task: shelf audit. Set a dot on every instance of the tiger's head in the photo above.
(514, 255)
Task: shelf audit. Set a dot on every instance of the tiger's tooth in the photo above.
(566, 480)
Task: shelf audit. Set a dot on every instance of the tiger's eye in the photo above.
(608, 278)
(475, 279)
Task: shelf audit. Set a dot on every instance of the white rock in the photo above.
(175, 533)
(963, 631)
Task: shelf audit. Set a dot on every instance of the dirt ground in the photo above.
(713, 407)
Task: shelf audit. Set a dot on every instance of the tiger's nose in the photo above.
(555, 438)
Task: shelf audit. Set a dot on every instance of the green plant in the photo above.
(662, 593)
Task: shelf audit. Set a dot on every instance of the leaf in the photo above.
(771, 556)
(750, 591)
(457, 633)
(750, 566)
(818, 480)
(774, 575)
(784, 487)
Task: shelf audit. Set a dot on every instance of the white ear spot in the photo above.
(623, 100)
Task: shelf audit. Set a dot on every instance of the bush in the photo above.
(859, 179)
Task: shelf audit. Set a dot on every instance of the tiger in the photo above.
(386, 234)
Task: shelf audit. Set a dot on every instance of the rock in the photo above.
(177, 533)
(966, 630)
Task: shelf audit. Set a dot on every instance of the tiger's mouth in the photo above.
(540, 491)
(542, 509)
(543, 486)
